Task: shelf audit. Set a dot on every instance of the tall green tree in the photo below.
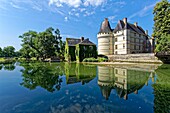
(9, 51)
(45, 44)
(27, 52)
(0, 52)
(161, 28)
(31, 42)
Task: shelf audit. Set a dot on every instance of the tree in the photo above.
(161, 28)
(0, 52)
(31, 42)
(45, 44)
(9, 51)
(164, 44)
(27, 52)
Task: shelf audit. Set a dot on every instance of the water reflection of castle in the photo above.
(124, 81)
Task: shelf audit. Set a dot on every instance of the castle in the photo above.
(126, 38)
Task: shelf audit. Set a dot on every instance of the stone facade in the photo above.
(126, 38)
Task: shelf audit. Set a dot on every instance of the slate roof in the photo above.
(105, 27)
(74, 41)
(86, 42)
(121, 25)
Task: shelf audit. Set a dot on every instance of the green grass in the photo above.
(6, 60)
(2, 59)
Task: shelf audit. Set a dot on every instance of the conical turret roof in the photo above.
(105, 27)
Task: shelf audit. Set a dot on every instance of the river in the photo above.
(83, 88)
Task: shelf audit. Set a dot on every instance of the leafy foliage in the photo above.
(99, 59)
(8, 51)
(85, 51)
(162, 24)
(164, 43)
(0, 52)
(44, 44)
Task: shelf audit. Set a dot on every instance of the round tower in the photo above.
(105, 39)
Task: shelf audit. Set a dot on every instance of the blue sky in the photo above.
(74, 18)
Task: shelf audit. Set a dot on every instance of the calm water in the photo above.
(77, 88)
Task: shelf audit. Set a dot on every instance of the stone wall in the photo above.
(137, 58)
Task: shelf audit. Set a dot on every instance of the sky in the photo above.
(74, 18)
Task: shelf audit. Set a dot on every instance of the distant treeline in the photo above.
(9, 51)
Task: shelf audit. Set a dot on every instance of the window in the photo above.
(123, 72)
(116, 71)
(116, 52)
(134, 34)
(134, 46)
(115, 39)
(115, 46)
(123, 38)
(91, 47)
(85, 48)
(123, 46)
(139, 35)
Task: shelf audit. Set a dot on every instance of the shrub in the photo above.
(90, 60)
(100, 59)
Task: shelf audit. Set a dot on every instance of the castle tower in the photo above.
(105, 39)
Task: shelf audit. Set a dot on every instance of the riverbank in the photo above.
(135, 58)
(127, 65)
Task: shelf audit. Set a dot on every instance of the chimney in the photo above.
(106, 19)
(136, 24)
(82, 38)
(146, 32)
(125, 20)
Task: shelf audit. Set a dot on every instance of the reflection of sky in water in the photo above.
(72, 98)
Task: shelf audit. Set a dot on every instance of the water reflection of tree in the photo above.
(1, 66)
(9, 67)
(44, 75)
(162, 90)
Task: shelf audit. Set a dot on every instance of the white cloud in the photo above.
(142, 12)
(15, 6)
(37, 8)
(82, 9)
(121, 3)
(87, 13)
(94, 2)
(66, 19)
(71, 3)
(77, 3)
(77, 14)
(112, 19)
